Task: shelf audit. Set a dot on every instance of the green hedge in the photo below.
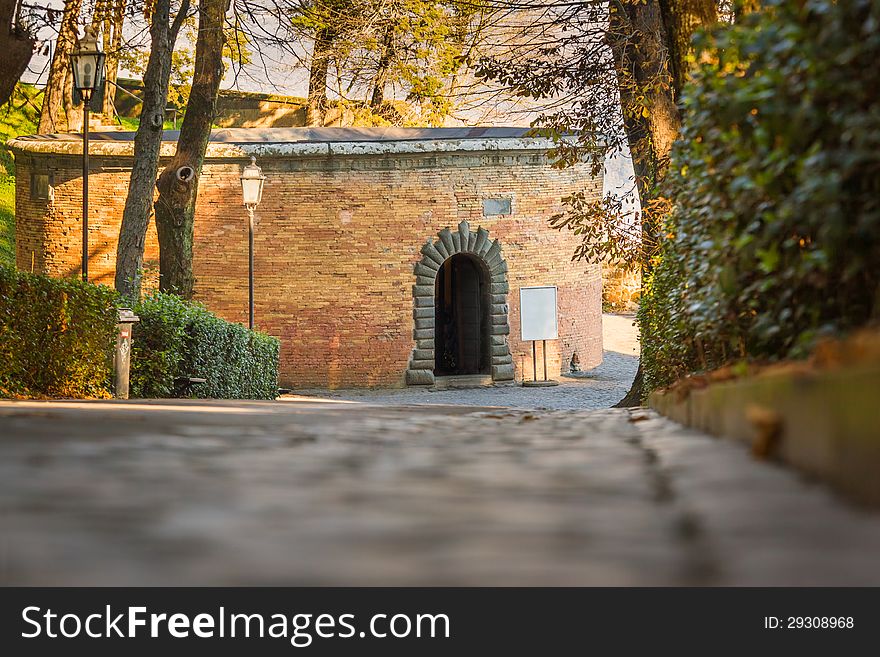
(775, 236)
(57, 336)
(176, 339)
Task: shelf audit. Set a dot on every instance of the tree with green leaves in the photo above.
(57, 94)
(372, 51)
(417, 50)
(614, 72)
(236, 51)
(108, 18)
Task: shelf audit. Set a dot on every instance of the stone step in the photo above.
(460, 381)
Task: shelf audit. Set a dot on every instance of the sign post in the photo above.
(538, 321)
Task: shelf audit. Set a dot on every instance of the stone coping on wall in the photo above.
(236, 143)
(819, 417)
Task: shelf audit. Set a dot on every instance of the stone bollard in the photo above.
(122, 356)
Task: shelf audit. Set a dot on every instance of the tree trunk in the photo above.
(382, 68)
(72, 114)
(317, 97)
(147, 142)
(52, 118)
(113, 22)
(179, 182)
(650, 42)
(682, 18)
(17, 46)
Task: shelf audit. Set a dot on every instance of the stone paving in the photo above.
(321, 492)
(600, 387)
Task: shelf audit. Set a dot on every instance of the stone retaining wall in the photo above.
(822, 421)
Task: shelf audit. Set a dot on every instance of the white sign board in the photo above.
(537, 313)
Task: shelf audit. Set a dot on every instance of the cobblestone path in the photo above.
(309, 492)
(600, 387)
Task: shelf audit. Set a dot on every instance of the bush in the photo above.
(176, 339)
(775, 236)
(57, 336)
(157, 345)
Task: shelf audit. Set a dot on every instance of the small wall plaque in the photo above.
(41, 189)
(496, 206)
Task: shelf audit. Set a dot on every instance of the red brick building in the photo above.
(383, 256)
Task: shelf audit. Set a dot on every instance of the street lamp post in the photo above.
(252, 180)
(87, 64)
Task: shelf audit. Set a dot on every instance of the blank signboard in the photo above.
(537, 312)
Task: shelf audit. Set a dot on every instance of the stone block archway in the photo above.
(434, 253)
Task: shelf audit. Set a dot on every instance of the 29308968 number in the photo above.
(820, 622)
(809, 622)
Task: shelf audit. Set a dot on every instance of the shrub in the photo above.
(157, 345)
(775, 236)
(57, 336)
(176, 339)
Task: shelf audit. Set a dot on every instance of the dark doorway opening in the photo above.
(461, 317)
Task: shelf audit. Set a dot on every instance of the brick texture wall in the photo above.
(48, 233)
(336, 240)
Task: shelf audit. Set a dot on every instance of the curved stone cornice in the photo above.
(121, 145)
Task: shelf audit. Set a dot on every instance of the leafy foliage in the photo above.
(176, 339)
(19, 117)
(775, 236)
(562, 59)
(415, 48)
(236, 53)
(57, 336)
(610, 75)
(157, 345)
(610, 233)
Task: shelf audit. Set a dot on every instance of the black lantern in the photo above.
(87, 64)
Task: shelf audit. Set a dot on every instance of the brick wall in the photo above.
(336, 241)
(48, 233)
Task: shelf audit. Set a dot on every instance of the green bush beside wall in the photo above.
(775, 236)
(176, 339)
(57, 336)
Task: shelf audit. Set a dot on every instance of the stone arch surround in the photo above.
(434, 253)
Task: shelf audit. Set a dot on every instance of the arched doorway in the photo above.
(461, 317)
(483, 256)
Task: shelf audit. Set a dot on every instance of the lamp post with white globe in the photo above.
(252, 180)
